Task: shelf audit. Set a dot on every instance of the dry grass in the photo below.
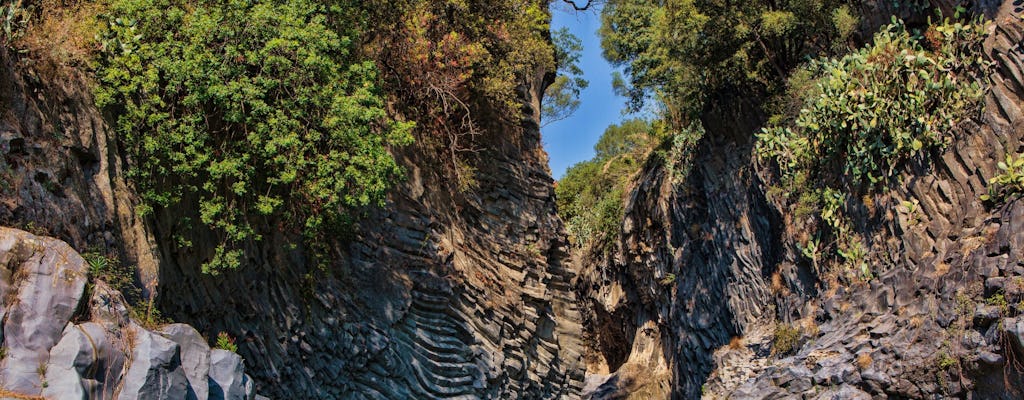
(916, 322)
(7, 394)
(809, 326)
(736, 343)
(864, 361)
(941, 269)
(63, 36)
(778, 286)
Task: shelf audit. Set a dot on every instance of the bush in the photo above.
(590, 195)
(1009, 183)
(260, 110)
(786, 339)
(109, 269)
(883, 104)
(226, 342)
(864, 115)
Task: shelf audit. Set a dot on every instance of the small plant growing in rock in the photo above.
(668, 279)
(41, 370)
(109, 269)
(943, 360)
(1009, 183)
(998, 300)
(786, 340)
(864, 361)
(226, 342)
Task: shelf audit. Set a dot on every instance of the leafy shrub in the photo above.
(590, 195)
(261, 110)
(786, 339)
(883, 104)
(863, 115)
(1009, 183)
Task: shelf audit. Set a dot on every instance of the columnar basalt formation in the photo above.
(438, 294)
(715, 263)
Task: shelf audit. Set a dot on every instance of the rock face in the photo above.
(63, 342)
(713, 260)
(442, 293)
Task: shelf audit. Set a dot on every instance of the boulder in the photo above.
(156, 371)
(227, 382)
(41, 282)
(195, 358)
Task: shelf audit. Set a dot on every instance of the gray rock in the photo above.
(156, 371)
(72, 354)
(227, 382)
(195, 358)
(41, 280)
(990, 358)
(845, 392)
(1015, 327)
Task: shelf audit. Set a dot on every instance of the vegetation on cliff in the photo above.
(258, 109)
(865, 115)
(284, 115)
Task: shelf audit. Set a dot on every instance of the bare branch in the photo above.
(577, 7)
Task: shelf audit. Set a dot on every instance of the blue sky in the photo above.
(571, 140)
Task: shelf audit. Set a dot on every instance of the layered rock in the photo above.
(439, 294)
(714, 263)
(62, 341)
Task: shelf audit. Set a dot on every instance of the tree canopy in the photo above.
(679, 51)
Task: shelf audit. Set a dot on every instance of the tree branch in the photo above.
(577, 7)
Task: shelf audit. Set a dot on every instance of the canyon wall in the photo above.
(708, 267)
(441, 293)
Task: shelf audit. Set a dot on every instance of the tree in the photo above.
(260, 110)
(562, 97)
(680, 51)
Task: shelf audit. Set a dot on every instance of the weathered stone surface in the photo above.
(41, 283)
(155, 371)
(96, 359)
(227, 382)
(195, 358)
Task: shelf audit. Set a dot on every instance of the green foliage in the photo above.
(862, 116)
(669, 279)
(680, 51)
(786, 339)
(883, 104)
(999, 301)
(680, 153)
(14, 19)
(590, 196)
(260, 110)
(226, 342)
(454, 67)
(109, 269)
(562, 97)
(1009, 183)
(943, 360)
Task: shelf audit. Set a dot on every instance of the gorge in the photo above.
(471, 277)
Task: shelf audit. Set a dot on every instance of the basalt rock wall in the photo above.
(441, 293)
(711, 264)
